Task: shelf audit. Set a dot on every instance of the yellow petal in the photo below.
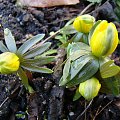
(84, 23)
(76, 24)
(115, 40)
(90, 88)
(9, 62)
(104, 39)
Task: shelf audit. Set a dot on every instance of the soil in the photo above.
(50, 101)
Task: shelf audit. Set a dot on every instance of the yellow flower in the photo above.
(90, 88)
(9, 63)
(104, 39)
(84, 23)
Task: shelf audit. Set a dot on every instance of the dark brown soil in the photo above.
(50, 101)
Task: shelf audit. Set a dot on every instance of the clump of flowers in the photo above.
(21, 60)
(88, 63)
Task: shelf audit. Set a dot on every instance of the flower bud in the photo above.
(104, 39)
(90, 88)
(9, 63)
(84, 23)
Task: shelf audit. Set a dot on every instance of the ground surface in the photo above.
(50, 101)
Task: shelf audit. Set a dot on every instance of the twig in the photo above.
(10, 96)
(78, 118)
(97, 112)
(85, 112)
(102, 109)
(4, 102)
(81, 13)
(86, 8)
(50, 37)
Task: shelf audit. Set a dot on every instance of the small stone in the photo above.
(26, 17)
(44, 102)
(71, 113)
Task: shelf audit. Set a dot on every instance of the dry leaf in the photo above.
(46, 3)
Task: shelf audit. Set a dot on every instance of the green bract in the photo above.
(80, 65)
(18, 60)
(109, 69)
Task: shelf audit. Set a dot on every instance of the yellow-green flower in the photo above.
(90, 88)
(104, 39)
(84, 23)
(9, 63)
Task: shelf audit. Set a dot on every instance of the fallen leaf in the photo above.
(46, 3)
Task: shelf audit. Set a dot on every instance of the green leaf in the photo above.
(90, 69)
(77, 54)
(62, 38)
(113, 70)
(78, 64)
(85, 39)
(77, 46)
(68, 30)
(76, 37)
(34, 68)
(95, 1)
(29, 43)
(118, 2)
(63, 82)
(59, 37)
(48, 52)
(10, 41)
(77, 95)
(106, 63)
(117, 12)
(86, 72)
(3, 48)
(111, 85)
(39, 61)
(37, 51)
(109, 69)
(92, 30)
(24, 79)
(66, 70)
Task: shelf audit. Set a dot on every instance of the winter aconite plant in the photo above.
(20, 60)
(88, 64)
